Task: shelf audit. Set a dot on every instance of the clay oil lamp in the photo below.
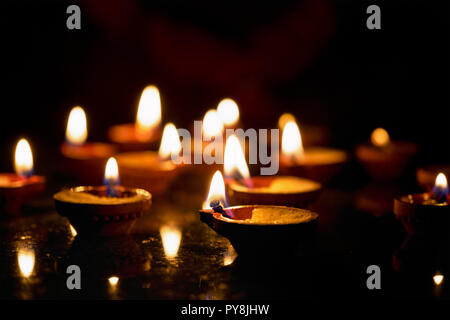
(17, 188)
(318, 164)
(83, 161)
(152, 170)
(257, 231)
(268, 190)
(228, 111)
(385, 159)
(426, 176)
(107, 210)
(426, 214)
(145, 133)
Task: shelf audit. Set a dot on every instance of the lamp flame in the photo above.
(111, 177)
(284, 119)
(234, 165)
(438, 278)
(170, 142)
(228, 111)
(440, 189)
(149, 112)
(26, 260)
(216, 191)
(171, 239)
(379, 137)
(291, 141)
(212, 124)
(76, 131)
(23, 159)
(113, 281)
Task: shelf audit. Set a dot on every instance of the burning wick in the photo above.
(111, 177)
(440, 189)
(215, 205)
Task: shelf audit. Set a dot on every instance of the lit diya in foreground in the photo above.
(145, 133)
(105, 210)
(16, 189)
(318, 164)
(152, 170)
(83, 160)
(426, 214)
(273, 190)
(258, 230)
(385, 159)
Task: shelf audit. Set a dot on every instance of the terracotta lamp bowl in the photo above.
(18, 191)
(431, 221)
(276, 231)
(90, 211)
(300, 193)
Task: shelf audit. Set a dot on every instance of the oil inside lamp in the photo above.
(76, 131)
(148, 116)
(380, 137)
(228, 112)
(212, 124)
(26, 261)
(171, 239)
(111, 177)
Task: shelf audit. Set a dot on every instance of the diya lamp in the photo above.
(258, 231)
(268, 190)
(83, 160)
(17, 188)
(152, 170)
(426, 176)
(317, 163)
(426, 214)
(107, 210)
(145, 133)
(385, 159)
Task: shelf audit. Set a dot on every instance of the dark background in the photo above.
(315, 58)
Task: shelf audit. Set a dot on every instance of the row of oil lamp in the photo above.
(113, 207)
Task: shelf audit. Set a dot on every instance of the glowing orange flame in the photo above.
(23, 159)
(284, 119)
(234, 165)
(216, 191)
(26, 260)
(76, 131)
(149, 112)
(380, 137)
(228, 111)
(291, 141)
(170, 142)
(111, 172)
(438, 278)
(212, 124)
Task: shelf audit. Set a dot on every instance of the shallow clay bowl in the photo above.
(105, 219)
(241, 195)
(262, 240)
(431, 221)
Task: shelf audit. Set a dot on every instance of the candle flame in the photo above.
(113, 281)
(228, 111)
(212, 124)
(111, 175)
(234, 165)
(149, 112)
(76, 131)
(171, 239)
(23, 159)
(73, 231)
(440, 189)
(170, 142)
(291, 141)
(284, 119)
(438, 278)
(216, 191)
(380, 137)
(26, 260)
